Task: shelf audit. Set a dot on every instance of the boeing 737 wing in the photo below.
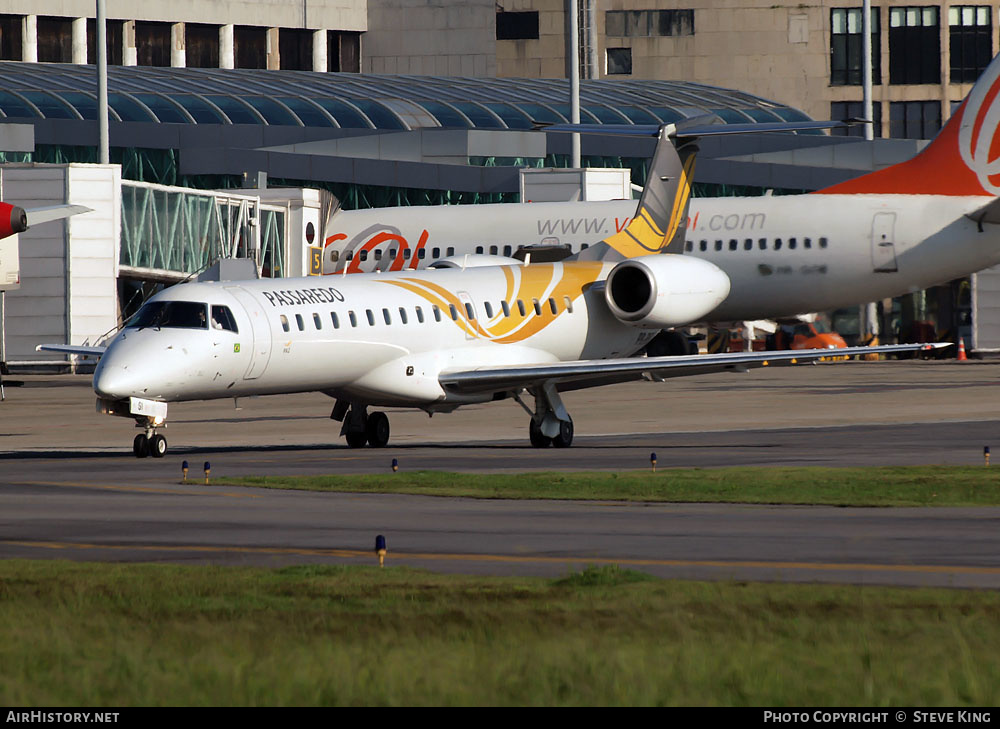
(590, 373)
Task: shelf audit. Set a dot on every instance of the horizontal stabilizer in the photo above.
(77, 349)
(589, 373)
(54, 212)
(988, 213)
(699, 127)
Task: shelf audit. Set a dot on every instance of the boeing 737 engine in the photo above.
(663, 291)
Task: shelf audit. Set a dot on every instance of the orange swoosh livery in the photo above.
(525, 283)
(961, 160)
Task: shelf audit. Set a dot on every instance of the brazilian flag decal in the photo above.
(236, 348)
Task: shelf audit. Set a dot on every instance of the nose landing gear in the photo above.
(149, 443)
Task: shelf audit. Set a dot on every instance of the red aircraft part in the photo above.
(12, 220)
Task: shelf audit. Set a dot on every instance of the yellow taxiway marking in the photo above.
(182, 489)
(524, 559)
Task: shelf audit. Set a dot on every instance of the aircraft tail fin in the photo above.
(660, 220)
(960, 160)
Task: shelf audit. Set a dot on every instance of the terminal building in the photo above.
(234, 123)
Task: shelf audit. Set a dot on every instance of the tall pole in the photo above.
(866, 66)
(102, 82)
(573, 61)
(869, 311)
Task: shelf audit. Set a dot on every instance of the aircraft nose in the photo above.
(114, 382)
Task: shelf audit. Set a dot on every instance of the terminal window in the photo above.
(619, 61)
(914, 45)
(517, 26)
(970, 41)
(846, 52)
(914, 119)
(645, 23)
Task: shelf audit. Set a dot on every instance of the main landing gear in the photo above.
(149, 443)
(550, 424)
(359, 427)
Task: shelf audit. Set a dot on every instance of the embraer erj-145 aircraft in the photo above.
(435, 339)
(914, 225)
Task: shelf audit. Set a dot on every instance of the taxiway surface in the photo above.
(69, 487)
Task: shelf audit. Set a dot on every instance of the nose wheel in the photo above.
(151, 444)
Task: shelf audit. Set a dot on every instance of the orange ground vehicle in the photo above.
(806, 335)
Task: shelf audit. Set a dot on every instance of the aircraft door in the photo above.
(260, 347)
(883, 243)
(470, 313)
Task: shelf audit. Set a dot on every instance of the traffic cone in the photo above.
(961, 350)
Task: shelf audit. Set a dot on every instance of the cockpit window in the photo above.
(171, 314)
(222, 318)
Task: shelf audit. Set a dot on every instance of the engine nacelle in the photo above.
(12, 220)
(666, 290)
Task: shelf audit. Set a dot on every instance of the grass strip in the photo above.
(78, 634)
(881, 486)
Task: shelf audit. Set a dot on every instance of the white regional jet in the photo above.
(923, 222)
(434, 339)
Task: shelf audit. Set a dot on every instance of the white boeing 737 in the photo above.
(917, 224)
(435, 339)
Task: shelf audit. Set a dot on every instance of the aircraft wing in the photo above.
(592, 373)
(78, 349)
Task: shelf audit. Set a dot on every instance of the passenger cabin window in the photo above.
(777, 244)
(353, 317)
(762, 244)
(748, 244)
(436, 253)
(807, 243)
(479, 249)
(488, 308)
(451, 250)
(703, 245)
(222, 318)
(421, 253)
(420, 314)
(301, 324)
(171, 315)
(402, 315)
(791, 243)
(520, 308)
(733, 244)
(454, 312)
(538, 307)
(506, 308)
(378, 254)
(689, 246)
(284, 323)
(553, 307)
(569, 304)
(316, 321)
(507, 250)
(385, 315)
(469, 311)
(363, 255)
(406, 254)
(822, 242)
(718, 245)
(437, 312)
(371, 317)
(494, 250)
(334, 256)
(336, 320)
